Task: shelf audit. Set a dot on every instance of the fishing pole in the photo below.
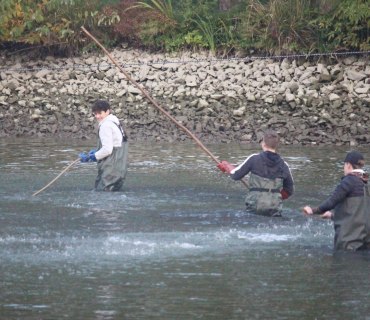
(153, 101)
(57, 177)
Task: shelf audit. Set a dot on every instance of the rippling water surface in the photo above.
(174, 244)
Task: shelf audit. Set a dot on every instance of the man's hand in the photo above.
(327, 215)
(225, 166)
(92, 155)
(84, 157)
(284, 194)
(307, 210)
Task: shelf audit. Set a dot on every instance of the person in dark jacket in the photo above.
(351, 203)
(270, 180)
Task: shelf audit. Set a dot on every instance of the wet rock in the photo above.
(239, 112)
(362, 90)
(289, 97)
(333, 97)
(202, 104)
(191, 81)
(42, 73)
(222, 100)
(355, 75)
(325, 78)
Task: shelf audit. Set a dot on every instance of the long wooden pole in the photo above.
(57, 177)
(154, 102)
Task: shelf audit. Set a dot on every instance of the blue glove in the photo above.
(92, 155)
(84, 157)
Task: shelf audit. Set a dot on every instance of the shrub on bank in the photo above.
(221, 26)
(55, 24)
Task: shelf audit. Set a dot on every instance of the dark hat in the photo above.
(355, 158)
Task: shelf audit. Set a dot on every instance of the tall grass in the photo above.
(280, 25)
(208, 30)
(162, 6)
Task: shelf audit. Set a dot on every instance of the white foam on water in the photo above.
(14, 239)
(265, 237)
(129, 246)
(146, 164)
(26, 306)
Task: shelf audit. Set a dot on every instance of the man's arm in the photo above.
(106, 138)
(339, 194)
(288, 183)
(243, 169)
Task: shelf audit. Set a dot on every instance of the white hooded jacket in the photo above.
(110, 136)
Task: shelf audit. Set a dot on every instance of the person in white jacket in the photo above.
(112, 150)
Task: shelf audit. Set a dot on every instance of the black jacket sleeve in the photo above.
(288, 183)
(243, 169)
(340, 193)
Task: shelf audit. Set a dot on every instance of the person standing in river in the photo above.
(351, 203)
(112, 151)
(270, 180)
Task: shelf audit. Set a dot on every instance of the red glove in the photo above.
(224, 166)
(284, 194)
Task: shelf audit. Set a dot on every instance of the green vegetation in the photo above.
(347, 25)
(280, 26)
(222, 27)
(55, 24)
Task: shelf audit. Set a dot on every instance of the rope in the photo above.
(187, 61)
(57, 177)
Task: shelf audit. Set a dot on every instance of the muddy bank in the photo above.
(229, 100)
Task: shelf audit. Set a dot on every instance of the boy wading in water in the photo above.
(112, 150)
(351, 203)
(270, 180)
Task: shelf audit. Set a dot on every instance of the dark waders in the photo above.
(112, 170)
(264, 196)
(352, 223)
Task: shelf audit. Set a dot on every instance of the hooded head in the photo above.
(356, 159)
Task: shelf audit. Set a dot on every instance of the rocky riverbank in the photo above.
(308, 102)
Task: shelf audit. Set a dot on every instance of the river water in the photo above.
(176, 243)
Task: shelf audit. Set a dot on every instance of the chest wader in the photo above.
(264, 195)
(112, 170)
(351, 223)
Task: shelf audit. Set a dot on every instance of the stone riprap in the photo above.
(308, 102)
